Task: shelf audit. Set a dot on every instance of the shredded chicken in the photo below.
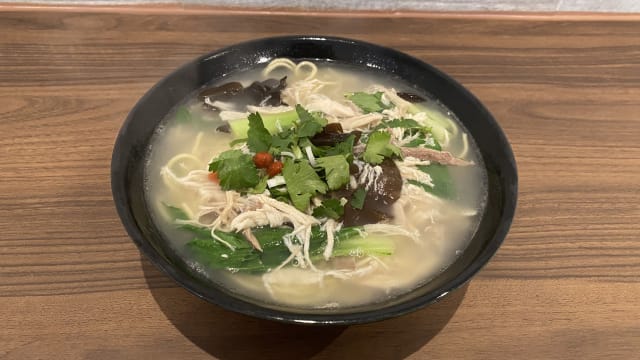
(402, 106)
(442, 157)
(252, 239)
(410, 172)
(425, 154)
(361, 121)
(300, 91)
(391, 230)
(269, 109)
(331, 227)
(335, 109)
(369, 175)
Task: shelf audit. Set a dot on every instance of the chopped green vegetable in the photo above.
(216, 255)
(443, 185)
(432, 143)
(438, 122)
(280, 191)
(310, 124)
(258, 137)
(240, 127)
(336, 170)
(243, 258)
(274, 251)
(283, 140)
(368, 102)
(350, 241)
(342, 148)
(330, 208)
(364, 246)
(357, 199)
(302, 182)
(236, 170)
(399, 123)
(183, 115)
(379, 147)
(261, 187)
(424, 137)
(175, 213)
(237, 141)
(198, 231)
(427, 142)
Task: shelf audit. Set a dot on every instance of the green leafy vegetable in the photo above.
(342, 148)
(424, 136)
(379, 147)
(280, 193)
(183, 115)
(357, 199)
(432, 143)
(283, 140)
(274, 251)
(358, 246)
(261, 187)
(330, 208)
(243, 258)
(237, 141)
(368, 102)
(349, 241)
(302, 182)
(272, 122)
(437, 121)
(336, 170)
(310, 124)
(236, 170)
(399, 123)
(258, 137)
(199, 232)
(443, 185)
(175, 213)
(216, 255)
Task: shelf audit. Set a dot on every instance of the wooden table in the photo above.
(565, 284)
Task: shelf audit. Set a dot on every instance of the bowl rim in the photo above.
(122, 204)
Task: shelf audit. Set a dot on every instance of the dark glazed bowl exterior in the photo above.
(132, 145)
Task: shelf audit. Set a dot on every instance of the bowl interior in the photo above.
(132, 145)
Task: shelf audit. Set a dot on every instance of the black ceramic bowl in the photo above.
(127, 168)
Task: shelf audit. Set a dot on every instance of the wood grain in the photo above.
(564, 285)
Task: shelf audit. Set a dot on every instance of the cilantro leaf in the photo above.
(261, 187)
(368, 102)
(229, 154)
(330, 208)
(283, 140)
(310, 124)
(379, 147)
(357, 199)
(258, 137)
(302, 183)
(336, 170)
(400, 123)
(236, 170)
(342, 148)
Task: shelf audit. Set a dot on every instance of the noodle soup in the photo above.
(315, 185)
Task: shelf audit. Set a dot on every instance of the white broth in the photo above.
(427, 230)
